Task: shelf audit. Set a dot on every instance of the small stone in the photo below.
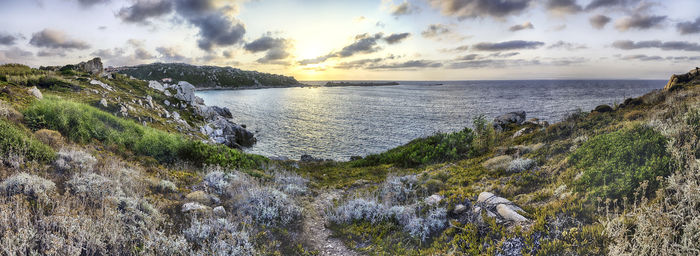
(459, 209)
(35, 92)
(103, 102)
(220, 211)
(434, 199)
(188, 207)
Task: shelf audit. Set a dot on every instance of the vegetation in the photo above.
(614, 164)
(16, 141)
(207, 76)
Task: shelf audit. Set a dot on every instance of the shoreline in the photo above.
(247, 88)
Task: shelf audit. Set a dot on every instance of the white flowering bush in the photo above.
(27, 184)
(74, 160)
(521, 164)
(219, 236)
(270, 206)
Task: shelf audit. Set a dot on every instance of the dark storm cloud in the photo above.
(684, 27)
(364, 43)
(526, 25)
(463, 9)
(668, 46)
(216, 27)
(276, 48)
(6, 39)
(55, 39)
(396, 38)
(43, 53)
(435, 30)
(411, 64)
(508, 45)
(563, 6)
(144, 9)
(599, 21)
(595, 4)
(640, 22)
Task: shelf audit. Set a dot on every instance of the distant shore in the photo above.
(248, 87)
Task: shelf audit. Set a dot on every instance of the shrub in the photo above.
(521, 164)
(219, 237)
(434, 149)
(30, 185)
(485, 134)
(614, 164)
(216, 181)
(166, 186)
(14, 140)
(49, 137)
(93, 187)
(74, 160)
(359, 209)
(291, 183)
(422, 228)
(270, 206)
(10, 113)
(399, 189)
(499, 163)
(634, 115)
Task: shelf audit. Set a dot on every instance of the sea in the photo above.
(339, 122)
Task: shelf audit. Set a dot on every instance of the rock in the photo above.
(166, 102)
(536, 122)
(676, 80)
(631, 102)
(459, 209)
(123, 111)
(602, 109)
(103, 102)
(225, 132)
(156, 86)
(93, 66)
(355, 158)
(434, 199)
(101, 84)
(185, 92)
(502, 121)
(219, 211)
(224, 112)
(508, 212)
(199, 197)
(149, 101)
(188, 207)
(35, 92)
(309, 158)
(522, 132)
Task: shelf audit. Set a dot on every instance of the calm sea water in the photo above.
(340, 122)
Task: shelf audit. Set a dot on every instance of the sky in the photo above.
(364, 39)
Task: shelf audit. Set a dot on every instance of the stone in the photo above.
(309, 158)
(149, 101)
(677, 80)
(166, 102)
(459, 209)
(602, 109)
(93, 66)
(35, 92)
(225, 132)
(502, 121)
(123, 111)
(433, 199)
(219, 211)
(185, 92)
(504, 209)
(156, 86)
(103, 103)
(189, 207)
(508, 212)
(101, 84)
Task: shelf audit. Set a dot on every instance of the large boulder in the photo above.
(225, 132)
(93, 66)
(502, 121)
(499, 207)
(185, 92)
(691, 77)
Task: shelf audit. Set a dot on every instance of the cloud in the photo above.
(14, 53)
(595, 4)
(668, 46)
(485, 63)
(469, 57)
(396, 38)
(88, 3)
(43, 53)
(567, 46)
(599, 21)
(411, 64)
(641, 57)
(144, 9)
(364, 43)
(404, 8)
(526, 25)
(507, 45)
(6, 39)
(435, 30)
(684, 27)
(640, 22)
(108, 53)
(563, 6)
(464, 9)
(215, 24)
(170, 54)
(356, 64)
(276, 48)
(55, 39)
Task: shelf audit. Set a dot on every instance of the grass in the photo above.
(14, 140)
(614, 164)
(82, 123)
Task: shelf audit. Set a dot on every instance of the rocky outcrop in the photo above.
(35, 92)
(93, 66)
(602, 109)
(225, 132)
(498, 207)
(693, 77)
(501, 122)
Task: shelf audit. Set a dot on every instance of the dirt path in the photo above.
(315, 226)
